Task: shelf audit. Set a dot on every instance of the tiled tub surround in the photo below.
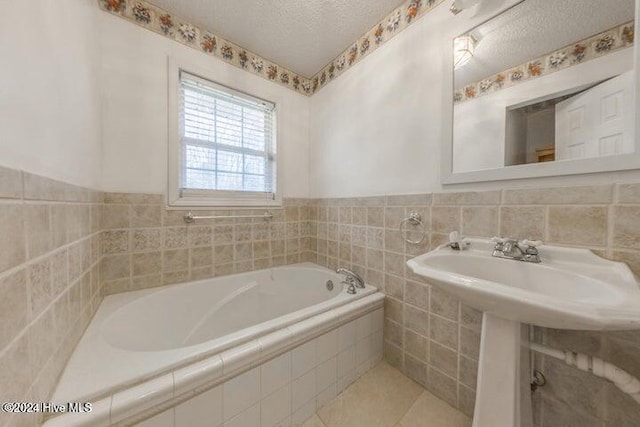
(276, 380)
(145, 245)
(49, 282)
(434, 338)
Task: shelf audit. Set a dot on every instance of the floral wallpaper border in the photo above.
(172, 26)
(160, 21)
(585, 50)
(391, 25)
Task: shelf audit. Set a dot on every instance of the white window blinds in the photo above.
(226, 140)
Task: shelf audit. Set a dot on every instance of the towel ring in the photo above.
(414, 219)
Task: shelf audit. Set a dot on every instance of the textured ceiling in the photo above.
(302, 35)
(537, 27)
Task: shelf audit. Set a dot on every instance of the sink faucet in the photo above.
(352, 278)
(510, 249)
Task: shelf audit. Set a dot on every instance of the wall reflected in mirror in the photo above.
(545, 81)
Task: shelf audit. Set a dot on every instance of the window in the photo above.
(226, 149)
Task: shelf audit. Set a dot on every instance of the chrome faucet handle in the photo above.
(351, 289)
(531, 252)
(499, 241)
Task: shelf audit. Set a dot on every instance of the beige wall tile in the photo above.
(415, 369)
(469, 343)
(13, 306)
(622, 410)
(394, 263)
(147, 239)
(146, 216)
(374, 216)
(58, 225)
(443, 331)
(409, 200)
(133, 198)
(393, 241)
(578, 225)
(624, 354)
(443, 304)
(116, 266)
(445, 219)
(394, 286)
(592, 389)
(146, 263)
(416, 320)
(175, 237)
(522, 222)
(628, 193)
(10, 183)
(442, 386)
(588, 342)
(39, 282)
(13, 248)
(470, 317)
(443, 359)
(393, 216)
(394, 309)
(37, 224)
(116, 216)
(37, 187)
(626, 227)
(368, 201)
(479, 221)
(417, 294)
(115, 242)
(468, 371)
(467, 198)
(175, 260)
(393, 332)
(171, 277)
(416, 345)
(585, 195)
(393, 354)
(466, 400)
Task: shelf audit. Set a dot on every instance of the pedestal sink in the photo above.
(570, 289)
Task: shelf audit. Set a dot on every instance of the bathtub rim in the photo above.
(136, 403)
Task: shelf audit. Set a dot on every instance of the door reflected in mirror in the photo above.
(545, 81)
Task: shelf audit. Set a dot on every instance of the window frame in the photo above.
(194, 198)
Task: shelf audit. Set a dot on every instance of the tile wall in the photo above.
(65, 246)
(145, 245)
(434, 338)
(49, 282)
(288, 389)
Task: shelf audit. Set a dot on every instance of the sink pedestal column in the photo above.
(502, 394)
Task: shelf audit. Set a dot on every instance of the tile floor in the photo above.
(384, 397)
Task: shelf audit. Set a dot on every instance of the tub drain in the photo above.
(329, 285)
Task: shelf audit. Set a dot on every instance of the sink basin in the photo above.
(570, 289)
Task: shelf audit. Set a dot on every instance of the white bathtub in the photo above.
(142, 335)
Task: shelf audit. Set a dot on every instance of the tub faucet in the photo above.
(352, 277)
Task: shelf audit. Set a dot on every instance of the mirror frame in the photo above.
(533, 170)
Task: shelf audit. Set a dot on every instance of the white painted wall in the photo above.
(49, 106)
(135, 117)
(377, 128)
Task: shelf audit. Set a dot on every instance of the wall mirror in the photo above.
(544, 88)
